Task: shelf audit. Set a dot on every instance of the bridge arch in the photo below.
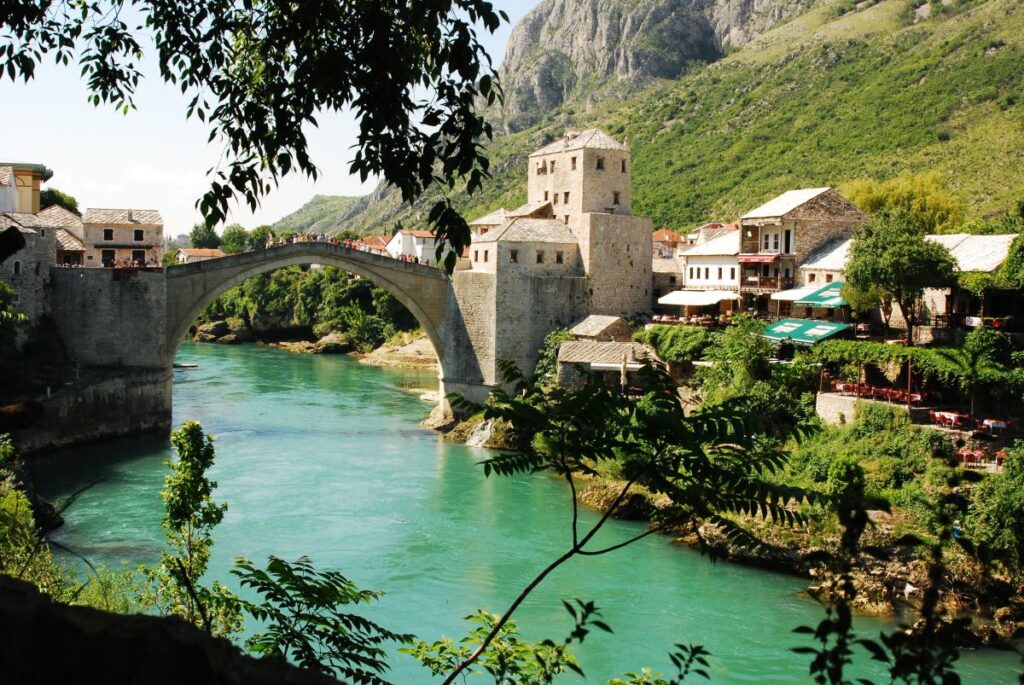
(423, 290)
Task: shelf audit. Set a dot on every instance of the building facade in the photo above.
(413, 244)
(551, 263)
(781, 234)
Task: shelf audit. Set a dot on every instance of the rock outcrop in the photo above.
(570, 50)
(47, 642)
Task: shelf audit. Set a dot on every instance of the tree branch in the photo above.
(594, 553)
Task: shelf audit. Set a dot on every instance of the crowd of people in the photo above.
(357, 245)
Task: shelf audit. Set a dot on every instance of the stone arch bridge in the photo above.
(424, 290)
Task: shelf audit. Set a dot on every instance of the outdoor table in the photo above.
(994, 424)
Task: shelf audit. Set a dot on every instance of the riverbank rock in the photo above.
(333, 343)
(410, 350)
(296, 346)
(228, 332)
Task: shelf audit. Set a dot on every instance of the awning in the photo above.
(697, 298)
(794, 294)
(802, 331)
(757, 258)
(829, 297)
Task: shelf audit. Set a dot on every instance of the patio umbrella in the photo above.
(624, 376)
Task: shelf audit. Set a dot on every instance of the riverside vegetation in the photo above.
(718, 465)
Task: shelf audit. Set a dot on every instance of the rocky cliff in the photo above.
(567, 50)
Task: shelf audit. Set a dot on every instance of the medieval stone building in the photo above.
(573, 250)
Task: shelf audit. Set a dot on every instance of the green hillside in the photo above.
(325, 213)
(830, 96)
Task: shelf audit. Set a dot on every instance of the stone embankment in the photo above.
(411, 350)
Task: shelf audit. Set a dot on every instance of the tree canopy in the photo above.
(203, 236)
(52, 196)
(923, 200)
(889, 254)
(260, 73)
(235, 239)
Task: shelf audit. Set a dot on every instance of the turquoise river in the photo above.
(324, 457)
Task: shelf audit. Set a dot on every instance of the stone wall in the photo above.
(528, 308)
(470, 326)
(100, 406)
(589, 189)
(834, 409)
(108, 318)
(28, 272)
(616, 254)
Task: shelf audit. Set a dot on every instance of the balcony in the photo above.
(763, 284)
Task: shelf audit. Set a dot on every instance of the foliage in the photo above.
(322, 214)
(677, 344)
(889, 254)
(190, 515)
(740, 356)
(508, 659)
(413, 73)
(299, 610)
(49, 197)
(326, 300)
(203, 236)
(925, 203)
(709, 464)
(975, 362)
(10, 317)
(686, 658)
(235, 239)
(547, 357)
(997, 510)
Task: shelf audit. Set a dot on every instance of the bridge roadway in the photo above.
(424, 290)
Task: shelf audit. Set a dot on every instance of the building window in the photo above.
(615, 198)
(672, 280)
(556, 198)
(552, 166)
(108, 257)
(573, 162)
(765, 241)
(139, 237)
(600, 163)
(775, 241)
(707, 273)
(42, 232)
(559, 258)
(17, 268)
(545, 196)
(540, 257)
(732, 273)
(485, 255)
(719, 273)
(513, 256)
(108, 234)
(476, 255)
(811, 277)
(828, 278)
(691, 272)
(623, 166)
(566, 218)
(139, 256)
(565, 200)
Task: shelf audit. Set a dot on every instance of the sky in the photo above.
(155, 158)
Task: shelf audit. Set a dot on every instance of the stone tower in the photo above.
(574, 249)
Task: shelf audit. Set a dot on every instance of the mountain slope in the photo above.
(839, 92)
(322, 213)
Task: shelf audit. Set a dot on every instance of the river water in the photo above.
(323, 457)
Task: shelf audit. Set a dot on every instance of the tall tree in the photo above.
(52, 196)
(924, 200)
(890, 255)
(203, 236)
(234, 239)
(260, 73)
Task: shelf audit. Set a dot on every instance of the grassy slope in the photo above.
(817, 101)
(322, 213)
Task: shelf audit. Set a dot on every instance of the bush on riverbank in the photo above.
(323, 301)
